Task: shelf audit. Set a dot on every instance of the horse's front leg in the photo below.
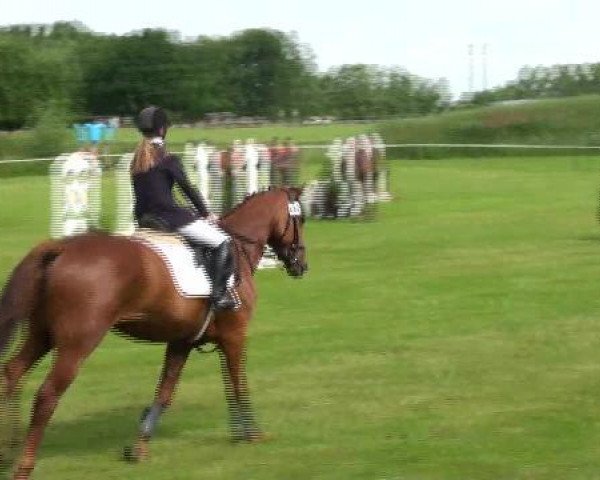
(175, 358)
(233, 367)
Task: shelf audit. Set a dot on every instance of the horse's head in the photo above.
(287, 236)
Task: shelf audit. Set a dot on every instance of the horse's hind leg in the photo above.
(36, 345)
(175, 358)
(68, 359)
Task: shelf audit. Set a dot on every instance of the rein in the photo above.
(244, 240)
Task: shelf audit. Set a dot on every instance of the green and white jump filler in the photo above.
(75, 194)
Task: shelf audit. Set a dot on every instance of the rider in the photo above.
(154, 171)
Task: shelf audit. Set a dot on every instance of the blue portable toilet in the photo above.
(96, 132)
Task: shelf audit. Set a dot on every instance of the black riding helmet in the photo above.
(151, 120)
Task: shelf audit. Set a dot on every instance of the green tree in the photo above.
(257, 73)
(34, 71)
(124, 74)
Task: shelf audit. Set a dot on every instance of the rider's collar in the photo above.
(159, 141)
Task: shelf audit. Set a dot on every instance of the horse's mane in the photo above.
(250, 197)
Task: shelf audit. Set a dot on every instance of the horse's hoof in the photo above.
(257, 437)
(134, 454)
(251, 437)
(23, 473)
(128, 454)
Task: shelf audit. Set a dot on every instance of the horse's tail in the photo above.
(22, 289)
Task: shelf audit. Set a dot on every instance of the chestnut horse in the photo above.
(73, 291)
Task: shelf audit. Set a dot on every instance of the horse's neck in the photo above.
(251, 224)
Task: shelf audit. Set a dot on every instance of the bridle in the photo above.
(294, 218)
(288, 254)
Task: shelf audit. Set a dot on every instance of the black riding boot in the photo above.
(222, 266)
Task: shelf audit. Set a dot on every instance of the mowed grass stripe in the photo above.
(455, 337)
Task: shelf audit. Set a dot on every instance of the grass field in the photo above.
(17, 144)
(457, 337)
(303, 134)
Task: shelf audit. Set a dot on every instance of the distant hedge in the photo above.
(565, 121)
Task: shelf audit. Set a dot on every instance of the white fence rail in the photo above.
(393, 145)
(494, 146)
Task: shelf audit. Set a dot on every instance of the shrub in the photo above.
(49, 136)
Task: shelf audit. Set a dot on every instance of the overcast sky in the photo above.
(428, 38)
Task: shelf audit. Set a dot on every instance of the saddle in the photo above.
(187, 263)
(151, 223)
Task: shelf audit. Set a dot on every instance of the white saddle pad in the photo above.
(190, 280)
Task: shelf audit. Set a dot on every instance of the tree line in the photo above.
(255, 72)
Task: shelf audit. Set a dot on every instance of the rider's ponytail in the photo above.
(152, 122)
(145, 156)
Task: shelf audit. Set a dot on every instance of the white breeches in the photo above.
(204, 232)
